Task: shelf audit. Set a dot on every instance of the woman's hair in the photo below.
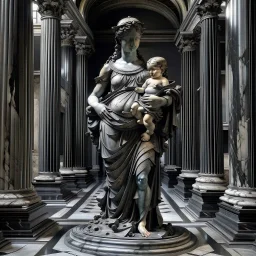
(124, 26)
(158, 62)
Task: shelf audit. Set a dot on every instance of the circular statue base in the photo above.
(108, 237)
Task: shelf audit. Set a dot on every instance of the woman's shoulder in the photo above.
(122, 67)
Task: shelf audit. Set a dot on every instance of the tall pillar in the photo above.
(236, 218)
(68, 32)
(28, 218)
(49, 184)
(210, 184)
(189, 115)
(83, 52)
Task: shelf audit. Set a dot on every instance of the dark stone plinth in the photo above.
(98, 238)
(170, 174)
(203, 204)
(68, 176)
(53, 192)
(25, 222)
(235, 223)
(84, 180)
(3, 241)
(184, 187)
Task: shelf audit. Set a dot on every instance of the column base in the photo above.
(170, 174)
(184, 187)
(69, 178)
(83, 178)
(53, 192)
(3, 241)
(203, 204)
(236, 223)
(23, 216)
(95, 172)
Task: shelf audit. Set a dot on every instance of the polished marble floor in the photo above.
(82, 209)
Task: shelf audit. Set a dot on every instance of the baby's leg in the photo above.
(136, 113)
(149, 124)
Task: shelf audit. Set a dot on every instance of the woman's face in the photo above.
(131, 41)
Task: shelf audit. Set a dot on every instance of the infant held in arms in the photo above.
(154, 85)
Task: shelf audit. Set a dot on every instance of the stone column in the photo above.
(210, 184)
(83, 52)
(189, 115)
(49, 184)
(68, 32)
(236, 218)
(28, 218)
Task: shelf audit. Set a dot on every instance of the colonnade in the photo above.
(59, 39)
(201, 183)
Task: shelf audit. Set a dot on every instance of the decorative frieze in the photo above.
(53, 8)
(209, 8)
(81, 47)
(67, 33)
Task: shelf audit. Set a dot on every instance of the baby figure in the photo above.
(152, 86)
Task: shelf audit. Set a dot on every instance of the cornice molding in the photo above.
(83, 29)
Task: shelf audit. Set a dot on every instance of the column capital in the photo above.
(51, 8)
(68, 32)
(209, 8)
(189, 41)
(81, 47)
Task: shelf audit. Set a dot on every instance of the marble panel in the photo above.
(202, 250)
(22, 249)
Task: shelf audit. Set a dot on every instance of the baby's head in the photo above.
(157, 63)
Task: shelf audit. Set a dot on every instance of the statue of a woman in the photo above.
(132, 189)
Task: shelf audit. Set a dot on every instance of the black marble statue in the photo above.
(132, 164)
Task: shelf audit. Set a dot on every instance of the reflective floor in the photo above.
(81, 209)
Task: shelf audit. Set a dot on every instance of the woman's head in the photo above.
(127, 36)
(158, 63)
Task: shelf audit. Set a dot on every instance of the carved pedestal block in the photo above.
(236, 223)
(25, 222)
(53, 192)
(184, 187)
(170, 174)
(203, 204)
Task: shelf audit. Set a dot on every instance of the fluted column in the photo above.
(29, 216)
(50, 77)
(49, 109)
(189, 115)
(68, 32)
(67, 66)
(238, 206)
(83, 51)
(210, 184)
(81, 143)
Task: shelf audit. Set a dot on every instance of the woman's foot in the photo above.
(143, 231)
(145, 137)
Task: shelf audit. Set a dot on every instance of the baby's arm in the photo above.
(142, 89)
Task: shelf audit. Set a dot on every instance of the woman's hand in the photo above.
(99, 108)
(154, 101)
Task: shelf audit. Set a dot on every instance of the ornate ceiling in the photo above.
(173, 10)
